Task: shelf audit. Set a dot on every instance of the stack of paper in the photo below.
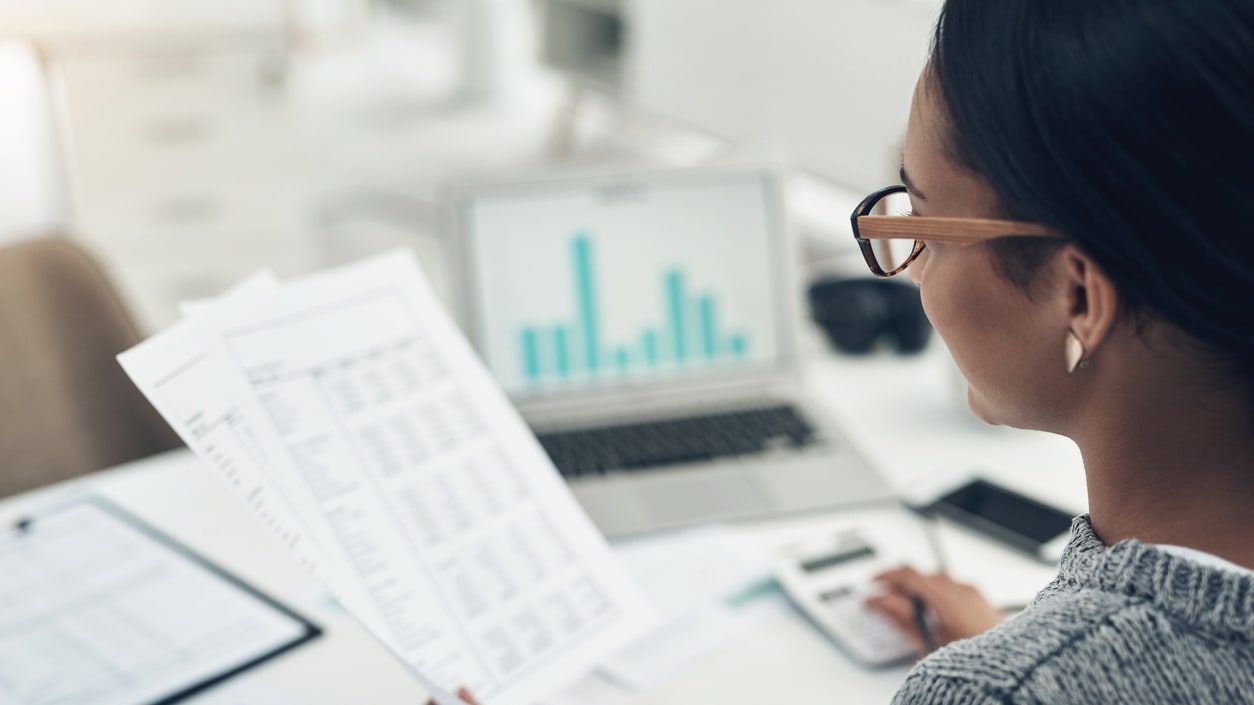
(350, 414)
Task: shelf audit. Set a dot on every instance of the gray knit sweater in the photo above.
(1129, 623)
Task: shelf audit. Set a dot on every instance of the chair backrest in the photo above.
(66, 406)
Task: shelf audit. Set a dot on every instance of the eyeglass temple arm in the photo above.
(953, 230)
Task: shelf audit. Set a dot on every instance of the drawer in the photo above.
(264, 140)
(194, 79)
(206, 152)
(190, 247)
(170, 126)
(189, 211)
(133, 118)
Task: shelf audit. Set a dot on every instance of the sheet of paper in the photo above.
(711, 592)
(95, 611)
(391, 456)
(210, 409)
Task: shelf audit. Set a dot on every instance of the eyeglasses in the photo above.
(891, 238)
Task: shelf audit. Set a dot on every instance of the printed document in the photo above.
(349, 412)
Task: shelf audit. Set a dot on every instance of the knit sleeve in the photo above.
(927, 688)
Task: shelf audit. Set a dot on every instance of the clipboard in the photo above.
(98, 607)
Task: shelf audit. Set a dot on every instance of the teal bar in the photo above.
(739, 346)
(675, 299)
(621, 356)
(707, 326)
(650, 348)
(531, 354)
(587, 302)
(561, 339)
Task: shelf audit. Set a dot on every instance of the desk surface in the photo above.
(787, 659)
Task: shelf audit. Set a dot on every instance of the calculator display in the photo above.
(834, 559)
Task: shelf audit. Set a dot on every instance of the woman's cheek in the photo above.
(938, 290)
(919, 275)
(933, 309)
(918, 269)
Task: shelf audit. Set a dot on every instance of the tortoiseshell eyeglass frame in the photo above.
(921, 229)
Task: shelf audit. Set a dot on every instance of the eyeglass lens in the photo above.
(892, 254)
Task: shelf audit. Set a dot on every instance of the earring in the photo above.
(1074, 352)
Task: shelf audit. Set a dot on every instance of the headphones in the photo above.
(857, 313)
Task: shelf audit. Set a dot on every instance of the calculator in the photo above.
(829, 580)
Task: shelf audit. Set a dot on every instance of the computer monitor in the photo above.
(624, 282)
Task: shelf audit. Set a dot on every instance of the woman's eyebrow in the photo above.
(905, 179)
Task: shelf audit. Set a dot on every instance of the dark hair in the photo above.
(1127, 126)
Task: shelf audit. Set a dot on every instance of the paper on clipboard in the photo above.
(97, 609)
(359, 424)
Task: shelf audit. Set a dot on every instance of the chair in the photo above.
(67, 406)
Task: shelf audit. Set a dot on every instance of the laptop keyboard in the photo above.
(648, 444)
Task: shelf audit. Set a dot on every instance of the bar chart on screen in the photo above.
(591, 285)
(687, 330)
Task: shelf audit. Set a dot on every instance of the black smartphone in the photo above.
(1021, 522)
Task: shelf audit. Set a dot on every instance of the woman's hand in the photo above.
(959, 610)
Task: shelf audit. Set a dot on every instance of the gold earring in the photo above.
(1074, 351)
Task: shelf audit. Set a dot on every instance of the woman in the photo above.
(1112, 141)
(1118, 135)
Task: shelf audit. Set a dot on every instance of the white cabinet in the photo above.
(181, 160)
(187, 168)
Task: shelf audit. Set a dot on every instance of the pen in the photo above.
(920, 621)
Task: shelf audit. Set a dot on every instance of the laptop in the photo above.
(645, 326)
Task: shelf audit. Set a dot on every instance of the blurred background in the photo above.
(188, 143)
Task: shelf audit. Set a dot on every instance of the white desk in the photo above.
(785, 661)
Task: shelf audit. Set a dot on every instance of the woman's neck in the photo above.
(1173, 464)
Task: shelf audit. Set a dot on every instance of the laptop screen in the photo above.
(607, 284)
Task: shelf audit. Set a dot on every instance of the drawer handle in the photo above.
(189, 210)
(178, 131)
(170, 68)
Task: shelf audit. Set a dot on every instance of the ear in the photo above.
(1093, 302)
